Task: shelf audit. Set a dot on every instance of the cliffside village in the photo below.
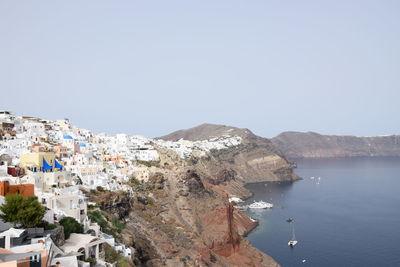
(57, 162)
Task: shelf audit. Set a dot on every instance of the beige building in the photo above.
(61, 151)
(89, 169)
(142, 173)
(34, 161)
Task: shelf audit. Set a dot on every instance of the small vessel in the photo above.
(261, 205)
(289, 220)
(235, 199)
(293, 242)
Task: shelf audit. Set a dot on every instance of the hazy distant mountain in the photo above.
(314, 145)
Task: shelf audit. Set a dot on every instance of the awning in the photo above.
(46, 166)
(58, 165)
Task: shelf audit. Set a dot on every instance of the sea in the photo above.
(346, 213)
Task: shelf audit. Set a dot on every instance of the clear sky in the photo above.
(152, 67)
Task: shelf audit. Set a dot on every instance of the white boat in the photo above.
(235, 199)
(261, 205)
(293, 242)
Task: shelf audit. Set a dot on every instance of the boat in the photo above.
(293, 242)
(289, 220)
(260, 205)
(235, 199)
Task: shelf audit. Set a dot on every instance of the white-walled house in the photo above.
(65, 205)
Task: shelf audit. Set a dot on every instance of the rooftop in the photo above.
(77, 241)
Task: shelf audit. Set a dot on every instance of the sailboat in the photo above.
(293, 242)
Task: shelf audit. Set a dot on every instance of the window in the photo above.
(35, 258)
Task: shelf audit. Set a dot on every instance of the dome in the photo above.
(82, 145)
(68, 137)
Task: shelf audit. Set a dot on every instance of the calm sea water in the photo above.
(351, 218)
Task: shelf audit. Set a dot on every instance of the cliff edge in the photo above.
(255, 159)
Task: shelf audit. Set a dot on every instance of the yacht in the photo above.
(260, 205)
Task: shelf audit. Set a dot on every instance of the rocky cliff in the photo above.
(256, 159)
(182, 217)
(314, 145)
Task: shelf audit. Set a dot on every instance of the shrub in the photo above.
(92, 261)
(97, 217)
(91, 207)
(100, 188)
(123, 262)
(19, 210)
(113, 229)
(149, 163)
(111, 255)
(47, 226)
(71, 226)
(117, 224)
(150, 201)
(134, 180)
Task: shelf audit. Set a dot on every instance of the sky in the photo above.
(153, 67)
